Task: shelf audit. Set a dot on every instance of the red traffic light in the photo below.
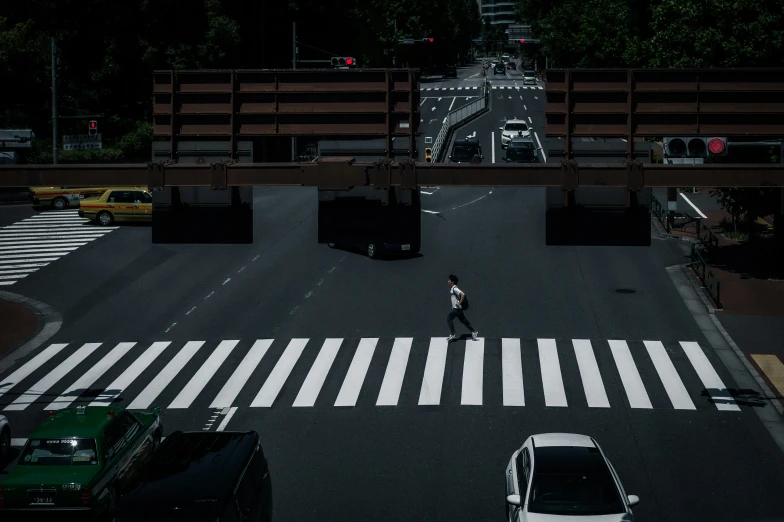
(522, 41)
(349, 61)
(93, 124)
(431, 40)
(716, 145)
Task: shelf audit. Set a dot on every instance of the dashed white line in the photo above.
(169, 328)
(294, 310)
(189, 311)
(309, 294)
(226, 281)
(209, 295)
(529, 120)
(331, 270)
(430, 211)
(241, 269)
(255, 258)
(540, 146)
(524, 107)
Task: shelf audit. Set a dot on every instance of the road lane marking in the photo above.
(122, 382)
(87, 379)
(30, 366)
(433, 380)
(524, 107)
(274, 383)
(52, 378)
(239, 378)
(226, 419)
(473, 372)
(529, 120)
(710, 379)
(692, 205)
(552, 381)
(593, 386)
(310, 389)
(492, 146)
(430, 211)
(512, 373)
(203, 376)
(672, 382)
(395, 372)
(355, 377)
(630, 376)
(770, 365)
(541, 149)
(452, 104)
(165, 377)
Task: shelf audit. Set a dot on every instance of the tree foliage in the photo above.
(107, 50)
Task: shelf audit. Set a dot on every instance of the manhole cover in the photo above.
(625, 291)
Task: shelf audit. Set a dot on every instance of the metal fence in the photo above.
(703, 271)
(456, 116)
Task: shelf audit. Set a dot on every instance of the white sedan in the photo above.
(564, 476)
(513, 128)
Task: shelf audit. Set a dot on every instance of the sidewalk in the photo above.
(751, 283)
(18, 325)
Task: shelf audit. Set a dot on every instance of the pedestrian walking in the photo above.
(459, 304)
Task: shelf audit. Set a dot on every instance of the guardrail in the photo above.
(456, 116)
(703, 271)
(706, 236)
(660, 213)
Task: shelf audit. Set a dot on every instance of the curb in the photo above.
(728, 352)
(49, 323)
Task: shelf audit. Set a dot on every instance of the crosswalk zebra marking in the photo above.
(236, 382)
(169, 372)
(203, 376)
(552, 381)
(630, 376)
(589, 374)
(311, 388)
(130, 374)
(355, 377)
(30, 366)
(274, 383)
(512, 372)
(433, 381)
(673, 384)
(395, 372)
(88, 378)
(710, 379)
(473, 372)
(52, 378)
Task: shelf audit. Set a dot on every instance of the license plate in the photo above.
(406, 247)
(41, 497)
(81, 196)
(42, 500)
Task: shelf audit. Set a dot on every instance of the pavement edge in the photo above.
(739, 367)
(49, 321)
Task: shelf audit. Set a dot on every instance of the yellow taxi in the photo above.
(62, 197)
(130, 204)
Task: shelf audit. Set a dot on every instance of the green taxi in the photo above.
(78, 461)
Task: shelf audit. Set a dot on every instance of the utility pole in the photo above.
(54, 102)
(293, 66)
(394, 42)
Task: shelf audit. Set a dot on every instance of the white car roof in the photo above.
(516, 121)
(544, 440)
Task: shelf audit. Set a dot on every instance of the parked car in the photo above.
(197, 476)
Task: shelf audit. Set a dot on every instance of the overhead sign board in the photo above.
(82, 142)
(664, 102)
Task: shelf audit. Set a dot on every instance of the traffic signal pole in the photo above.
(54, 102)
(293, 66)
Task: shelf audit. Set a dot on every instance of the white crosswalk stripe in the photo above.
(42, 239)
(376, 372)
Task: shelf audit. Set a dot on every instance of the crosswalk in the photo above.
(515, 87)
(30, 244)
(375, 372)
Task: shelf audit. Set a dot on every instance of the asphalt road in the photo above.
(390, 421)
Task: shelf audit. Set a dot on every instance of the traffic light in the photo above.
(428, 154)
(92, 129)
(428, 40)
(684, 147)
(343, 61)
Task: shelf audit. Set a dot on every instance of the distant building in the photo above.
(502, 12)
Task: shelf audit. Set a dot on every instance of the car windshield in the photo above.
(529, 73)
(59, 452)
(574, 481)
(516, 127)
(465, 152)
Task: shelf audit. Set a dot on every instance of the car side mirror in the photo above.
(513, 499)
(500, 128)
(633, 500)
(156, 410)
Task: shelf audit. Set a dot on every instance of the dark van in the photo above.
(466, 151)
(218, 476)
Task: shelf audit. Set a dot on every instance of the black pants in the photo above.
(456, 312)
